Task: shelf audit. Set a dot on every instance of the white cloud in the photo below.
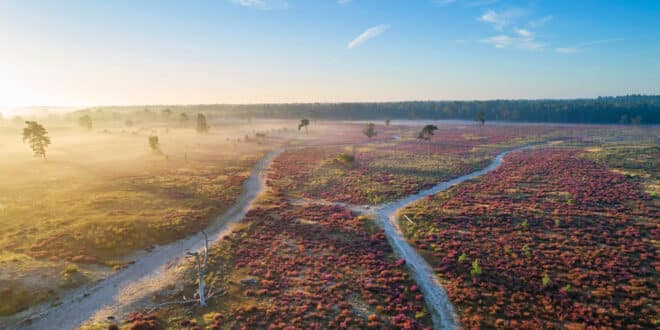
(262, 4)
(344, 2)
(566, 50)
(528, 43)
(579, 47)
(499, 19)
(540, 22)
(523, 33)
(368, 34)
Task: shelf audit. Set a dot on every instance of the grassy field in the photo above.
(103, 194)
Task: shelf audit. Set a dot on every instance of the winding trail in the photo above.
(155, 270)
(149, 274)
(442, 310)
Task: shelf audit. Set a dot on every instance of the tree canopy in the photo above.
(37, 136)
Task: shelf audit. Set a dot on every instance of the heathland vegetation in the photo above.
(561, 235)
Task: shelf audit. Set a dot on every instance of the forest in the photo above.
(630, 109)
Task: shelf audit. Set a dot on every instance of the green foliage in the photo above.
(346, 158)
(183, 119)
(546, 281)
(427, 132)
(70, 269)
(370, 130)
(37, 137)
(480, 117)
(303, 123)
(524, 224)
(476, 269)
(202, 126)
(154, 144)
(527, 251)
(85, 122)
(462, 258)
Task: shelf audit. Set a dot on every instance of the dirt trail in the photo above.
(154, 270)
(151, 272)
(442, 310)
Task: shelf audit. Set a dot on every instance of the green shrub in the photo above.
(346, 158)
(476, 269)
(70, 269)
(546, 280)
(527, 251)
(462, 258)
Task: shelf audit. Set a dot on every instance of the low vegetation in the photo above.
(554, 237)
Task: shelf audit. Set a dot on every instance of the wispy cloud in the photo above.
(368, 34)
(499, 19)
(581, 46)
(540, 22)
(263, 4)
(523, 40)
(344, 2)
(566, 50)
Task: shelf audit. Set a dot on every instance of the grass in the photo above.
(103, 195)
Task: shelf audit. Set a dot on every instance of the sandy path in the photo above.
(154, 270)
(442, 310)
(151, 272)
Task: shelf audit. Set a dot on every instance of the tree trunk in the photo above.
(200, 275)
(429, 149)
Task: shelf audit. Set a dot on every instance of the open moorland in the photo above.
(557, 237)
(543, 240)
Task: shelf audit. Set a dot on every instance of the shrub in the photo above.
(462, 258)
(346, 158)
(476, 269)
(527, 251)
(546, 280)
(70, 269)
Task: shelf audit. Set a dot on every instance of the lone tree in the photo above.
(387, 122)
(202, 127)
(480, 117)
(154, 144)
(38, 138)
(85, 122)
(426, 133)
(370, 130)
(303, 123)
(183, 119)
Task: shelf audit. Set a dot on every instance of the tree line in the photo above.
(630, 109)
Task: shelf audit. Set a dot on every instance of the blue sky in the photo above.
(252, 51)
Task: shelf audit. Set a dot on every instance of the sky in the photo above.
(120, 52)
